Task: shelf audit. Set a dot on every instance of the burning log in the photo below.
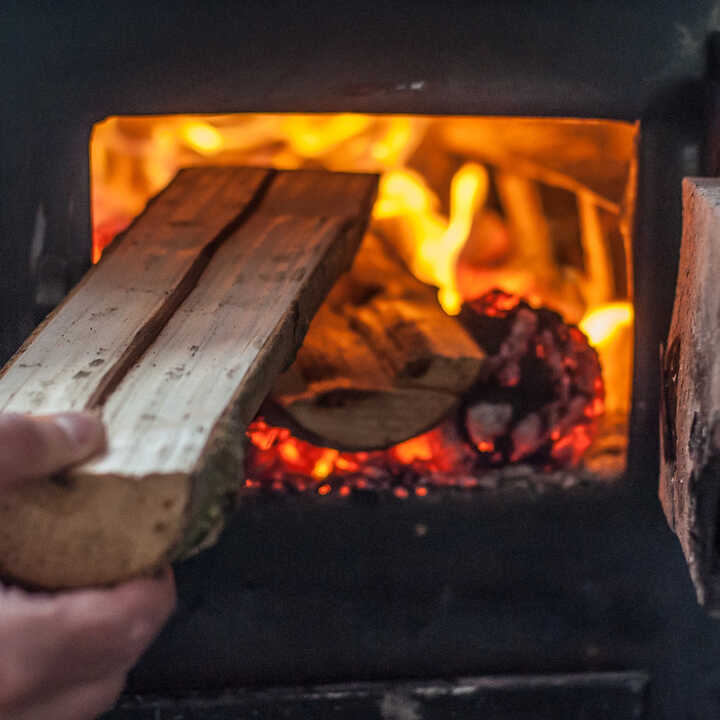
(530, 417)
(175, 337)
(381, 362)
(541, 389)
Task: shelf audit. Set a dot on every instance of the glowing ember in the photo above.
(430, 459)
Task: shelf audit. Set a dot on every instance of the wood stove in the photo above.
(546, 596)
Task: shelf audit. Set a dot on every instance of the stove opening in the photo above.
(483, 337)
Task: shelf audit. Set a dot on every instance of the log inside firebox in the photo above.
(176, 338)
(381, 362)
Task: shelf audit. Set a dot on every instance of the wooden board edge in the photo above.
(211, 497)
(153, 326)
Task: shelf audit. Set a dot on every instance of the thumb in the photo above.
(35, 447)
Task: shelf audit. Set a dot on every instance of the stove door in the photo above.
(690, 411)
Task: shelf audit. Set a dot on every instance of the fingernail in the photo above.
(81, 428)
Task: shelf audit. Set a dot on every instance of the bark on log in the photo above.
(381, 362)
(176, 337)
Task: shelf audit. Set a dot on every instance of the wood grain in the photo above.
(176, 417)
(690, 418)
(112, 314)
(381, 362)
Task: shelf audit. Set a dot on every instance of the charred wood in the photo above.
(541, 389)
(381, 362)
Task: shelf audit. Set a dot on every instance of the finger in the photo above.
(35, 447)
(114, 627)
(78, 637)
(83, 702)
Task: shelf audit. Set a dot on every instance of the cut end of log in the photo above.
(360, 419)
(90, 530)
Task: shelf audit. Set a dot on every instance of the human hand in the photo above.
(65, 656)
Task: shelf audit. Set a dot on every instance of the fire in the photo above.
(417, 448)
(601, 324)
(203, 137)
(276, 455)
(309, 137)
(610, 329)
(435, 259)
(325, 464)
(463, 201)
(436, 240)
(404, 192)
(539, 354)
(133, 158)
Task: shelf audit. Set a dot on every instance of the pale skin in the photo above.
(65, 656)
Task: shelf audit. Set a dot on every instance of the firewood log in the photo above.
(381, 362)
(175, 337)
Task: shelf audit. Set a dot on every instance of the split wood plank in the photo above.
(176, 418)
(124, 299)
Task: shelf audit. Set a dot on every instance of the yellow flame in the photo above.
(436, 257)
(603, 322)
(436, 241)
(203, 137)
(403, 192)
(390, 147)
(312, 136)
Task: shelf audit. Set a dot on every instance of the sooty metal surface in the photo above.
(591, 696)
